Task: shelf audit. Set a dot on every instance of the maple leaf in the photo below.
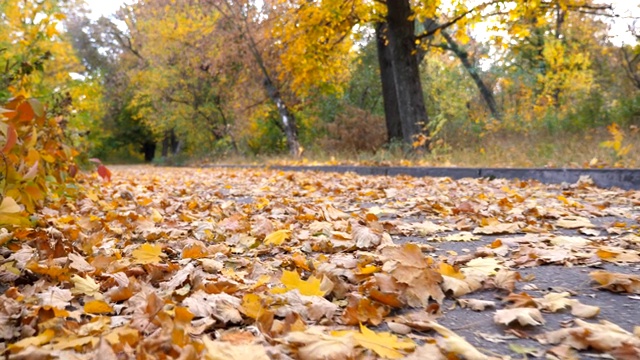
(252, 305)
(554, 301)
(574, 222)
(55, 297)
(455, 344)
(524, 316)
(43, 338)
(79, 263)
(456, 282)
(219, 350)
(292, 281)
(277, 238)
(617, 282)
(97, 307)
(147, 254)
(384, 344)
(365, 237)
(86, 286)
(320, 346)
(483, 266)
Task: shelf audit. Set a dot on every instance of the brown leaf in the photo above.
(524, 316)
(617, 282)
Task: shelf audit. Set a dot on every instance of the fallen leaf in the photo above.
(86, 286)
(97, 307)
(320, 346)
(147, 254)
(43, 338)
(291, 281)
(455, 344)
(384, 344)
(574, 222)
(55, 297)
(617, 282)
(524, 316)
(583, 311)
(476, 304)
(219, 350)
(277, 238)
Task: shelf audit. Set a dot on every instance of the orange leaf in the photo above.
(12, 139)
(97, 307)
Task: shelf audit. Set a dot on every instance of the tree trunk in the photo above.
(389, 95)
(485, 92)
(401, 34)
(288, 120)
(149, 150)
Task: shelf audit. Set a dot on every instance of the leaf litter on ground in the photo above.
(261, 264)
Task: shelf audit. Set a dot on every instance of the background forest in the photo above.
(517, 83)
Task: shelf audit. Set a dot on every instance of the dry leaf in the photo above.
(574, 222)
(384, 344)
(86, 286)
(277, 238)
(147, 254)
(476, 304)
(617, 282)
(291, 281)
(219, 350)
(524, 316)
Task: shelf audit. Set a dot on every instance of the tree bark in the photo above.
(389, 95)
(288, 120)
(406, 74)
(485, 92)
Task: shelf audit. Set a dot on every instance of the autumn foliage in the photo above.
(37, 163)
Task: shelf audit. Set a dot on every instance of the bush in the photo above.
(355, 130)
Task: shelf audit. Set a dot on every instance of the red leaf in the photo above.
(104, 173)
(73, 170)
(12, 138)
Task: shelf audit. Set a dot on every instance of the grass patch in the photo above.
(544, 149)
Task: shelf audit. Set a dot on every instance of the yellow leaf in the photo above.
(384, 344)
(97, 307)
(147, 254)
(252, 305)
(9, 206)
(291, 280)
(123, 334)
(38, 340)
(277, 237)
(75, 343)
(366, 270)
(156, 216)
(86, 286)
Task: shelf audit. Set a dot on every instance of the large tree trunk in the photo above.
(389, 95)
(485, 92)
(401, 35)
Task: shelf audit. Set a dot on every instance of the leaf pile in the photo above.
(257, 264)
